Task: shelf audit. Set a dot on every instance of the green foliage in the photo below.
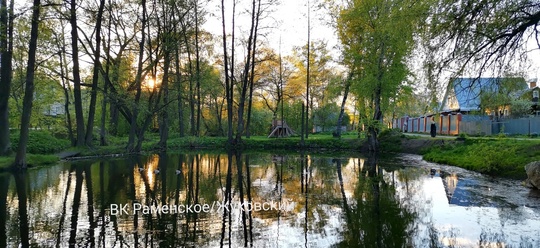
(520, 107)
(479, 35)
(320, 72)
(377, 38)
(40, 142)
(261, 120)
(292, 114)
(327, 117)
(502, 95)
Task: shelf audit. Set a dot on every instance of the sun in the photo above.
(150, 83)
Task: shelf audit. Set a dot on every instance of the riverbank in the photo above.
(504, 157)
(40, 156)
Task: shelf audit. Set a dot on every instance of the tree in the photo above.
(229, 75)
(6, 53)
(501, 95)
(327, 116)
(20, 158)
(272, 76)
(138, 81)
(79, 118)
(342, 109)
(480, 35)
(95, 75)
(169, 41)
(247, 79)
(317, 66)
(377, 37)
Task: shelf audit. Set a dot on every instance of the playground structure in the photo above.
(280, 129)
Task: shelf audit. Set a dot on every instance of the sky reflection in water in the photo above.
(328, 201)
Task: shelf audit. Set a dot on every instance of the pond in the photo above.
(264, 200)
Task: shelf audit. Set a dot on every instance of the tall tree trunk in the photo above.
(342, 110)
(6, 55)
(197, 69)
(245, 78)
(20, 158)
(95, 76)
(103, 127)
(138, 81)
(192, 127)
(373, 128)
(79, 118)
(228, 78)
(180, 100)
(252, 74)
(164, 126)
(302, 126)
(178, 81)
(66, 88)
(102, 124)
(113, 118)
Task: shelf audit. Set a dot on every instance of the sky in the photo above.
(288, 21)
(290, 24)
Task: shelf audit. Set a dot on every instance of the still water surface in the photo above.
(289, 201)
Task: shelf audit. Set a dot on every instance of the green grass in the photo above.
(33, 160)
(501, 157)
(262, 142)
(40, 142)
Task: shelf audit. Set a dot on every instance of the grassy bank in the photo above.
(503, 157)
(32, 160)
(43, 145)
(41, 148)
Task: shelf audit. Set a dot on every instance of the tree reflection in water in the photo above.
(375, 218)
(22, 194)
(4, 185)
(335, 202)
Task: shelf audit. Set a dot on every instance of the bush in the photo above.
(40, 142)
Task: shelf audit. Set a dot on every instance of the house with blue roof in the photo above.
(464, 95)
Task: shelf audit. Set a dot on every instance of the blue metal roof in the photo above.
(468, 90)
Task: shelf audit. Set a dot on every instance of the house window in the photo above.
(535, 94)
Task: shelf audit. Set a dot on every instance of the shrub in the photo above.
(40, 142)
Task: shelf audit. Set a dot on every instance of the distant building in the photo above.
(463, 95)
(55, 109)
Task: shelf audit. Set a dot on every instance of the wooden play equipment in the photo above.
(280, 129)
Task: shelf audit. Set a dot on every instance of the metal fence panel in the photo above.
(535, 126)
(453, 124)
(515, 126)
(422, 124)
(481, 127)
(444, 125)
